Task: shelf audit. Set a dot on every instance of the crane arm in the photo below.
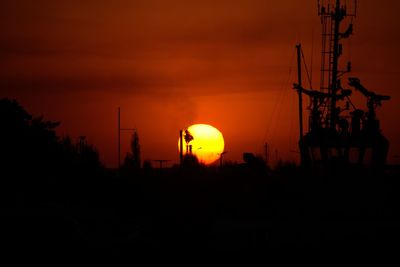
(355, 82)
(319, 94)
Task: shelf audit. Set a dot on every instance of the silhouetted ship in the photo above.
(340, 136)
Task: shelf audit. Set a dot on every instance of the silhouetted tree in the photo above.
(27, 143)
(132, 159)
(89, 157)
(135, 148)
(33, 159)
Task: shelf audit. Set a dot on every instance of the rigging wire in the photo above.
(351, 102)
(279, 99)
(282, 121)
(292, 144)
(312, 57)
(305, 66)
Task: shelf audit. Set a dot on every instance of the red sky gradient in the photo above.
(169, 64)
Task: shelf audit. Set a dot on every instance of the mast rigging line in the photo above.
(280, 96)
(312, 56)
(305, 66)
(351, 102)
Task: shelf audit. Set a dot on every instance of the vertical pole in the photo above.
(119, 137)
(300, 86)
(300, 103)
(337, 16)
(181, 147)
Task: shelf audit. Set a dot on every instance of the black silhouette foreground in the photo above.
(56, 196)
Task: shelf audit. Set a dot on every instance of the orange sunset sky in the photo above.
(170, 64)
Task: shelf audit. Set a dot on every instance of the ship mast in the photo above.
(298, 47)
(332, 15)
(337, 141)
(337, 17)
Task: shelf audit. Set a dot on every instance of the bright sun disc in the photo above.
(207, 144)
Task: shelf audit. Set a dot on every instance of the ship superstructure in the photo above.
(339, 134)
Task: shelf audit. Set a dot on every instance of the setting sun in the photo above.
(206, 142)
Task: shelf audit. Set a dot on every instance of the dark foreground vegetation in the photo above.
(56, 196)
